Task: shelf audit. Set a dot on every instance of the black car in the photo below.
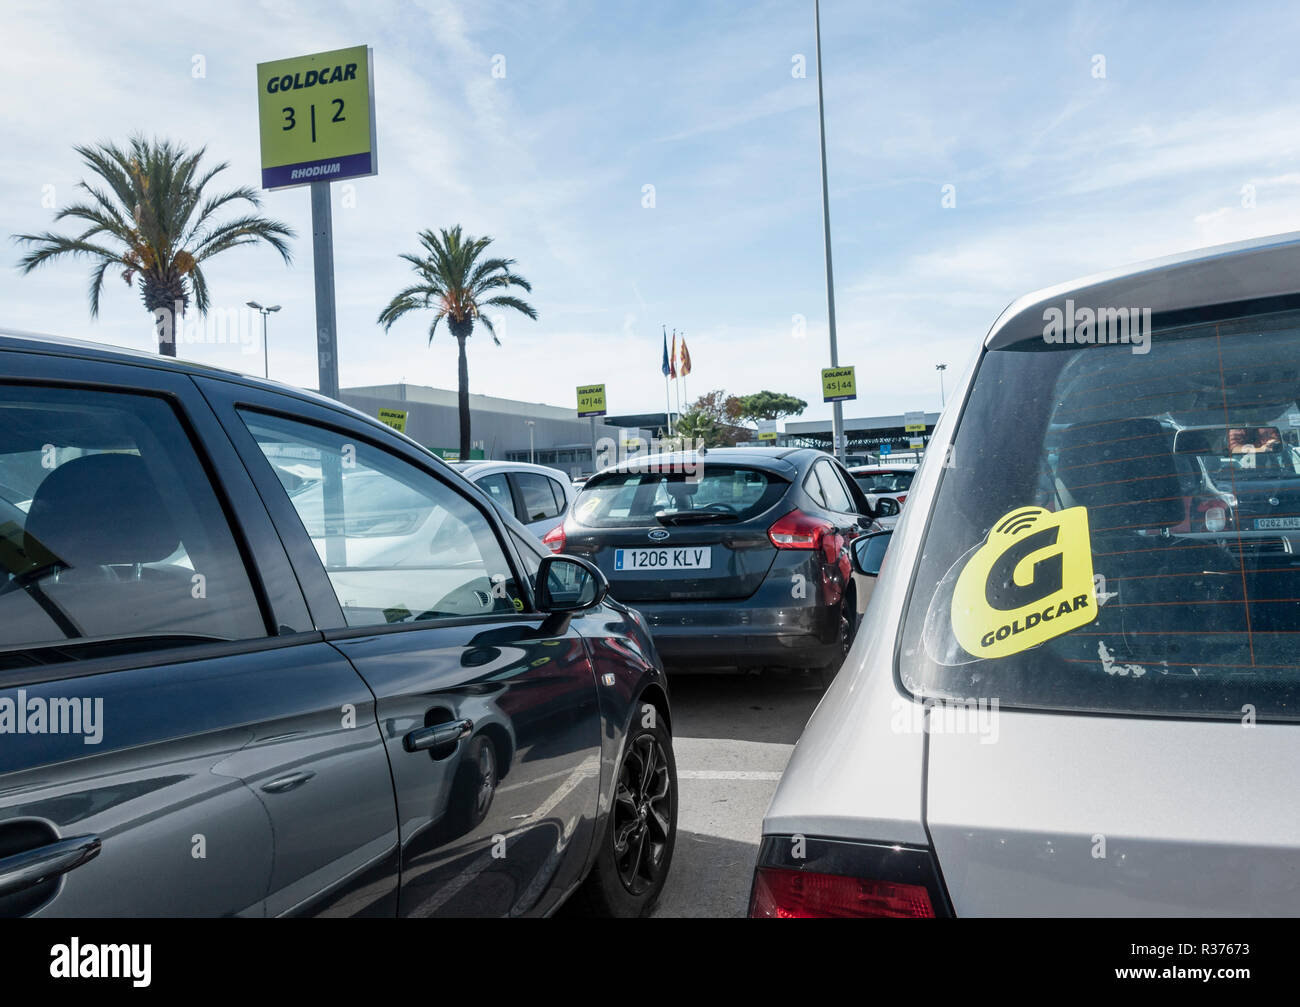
(260, 655)
(737, 557)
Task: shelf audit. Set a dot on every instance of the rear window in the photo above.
(884, 482)
(1120, 532)
(631, 499)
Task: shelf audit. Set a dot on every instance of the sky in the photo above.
(975, 152)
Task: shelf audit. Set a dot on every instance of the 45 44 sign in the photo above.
(316, 117)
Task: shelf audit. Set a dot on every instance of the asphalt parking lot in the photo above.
(733, 735)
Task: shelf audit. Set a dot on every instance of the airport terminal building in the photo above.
(499, 428)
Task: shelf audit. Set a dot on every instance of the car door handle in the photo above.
(31, 867)
(286, 783)
(424, 738)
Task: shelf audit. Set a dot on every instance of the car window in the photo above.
(813, 487)
(110, 530)
(884, 482)
(398, 544)
(633, 499)
(835, 492)
(1124, 538)
(498, 488)
(527, 556)
(538, 497)
(561, 501)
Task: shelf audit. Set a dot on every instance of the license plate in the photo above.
(691, 557)
(1276, 523)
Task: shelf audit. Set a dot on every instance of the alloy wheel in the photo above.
(642, 814)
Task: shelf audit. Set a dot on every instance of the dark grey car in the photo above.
(260, 655)
(738, 557)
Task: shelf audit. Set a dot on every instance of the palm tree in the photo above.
(457, 285)
(153, 221)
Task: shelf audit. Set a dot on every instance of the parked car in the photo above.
(737, 557)
(887, 482)
(1059, 702)
(262, 655)
(537, 495)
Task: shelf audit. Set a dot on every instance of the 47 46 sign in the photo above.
(316, 117)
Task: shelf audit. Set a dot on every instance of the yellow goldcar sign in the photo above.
(395, 418)
(316, 116)
(1030, 581)
(591, 400)
(838, 384)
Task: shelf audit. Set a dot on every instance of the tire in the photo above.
(616, 886)
(848, 629)
(474, 786)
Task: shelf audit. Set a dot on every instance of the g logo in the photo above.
(1029, 582)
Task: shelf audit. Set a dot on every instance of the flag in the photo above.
(666, 368)
(672, 359)
(686, 358)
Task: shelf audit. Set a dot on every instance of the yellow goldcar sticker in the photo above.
(1029, 582)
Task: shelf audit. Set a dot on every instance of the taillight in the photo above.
(900, 498)
(780, 893)
(798, 530)
(554, 539)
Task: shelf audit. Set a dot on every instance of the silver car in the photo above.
(535, 494)
(1077, 687)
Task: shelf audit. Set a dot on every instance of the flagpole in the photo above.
(668, 399)
(668, 406)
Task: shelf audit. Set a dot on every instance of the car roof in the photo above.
(489, 465)
(1221, 274)
(781, 460)
(865, 469)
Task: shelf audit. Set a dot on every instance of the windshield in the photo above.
(1128, 537)
(884, 482)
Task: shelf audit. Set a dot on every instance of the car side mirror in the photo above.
(886, 507)
(869, 552)
(569, 584)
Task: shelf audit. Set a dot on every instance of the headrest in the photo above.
(100, 509)
(1124, 472)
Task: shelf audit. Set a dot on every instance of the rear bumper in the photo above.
(734, 634)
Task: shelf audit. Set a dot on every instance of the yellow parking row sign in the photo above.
(316, 117)
(395, 418)
(838, 384)
(591, 400)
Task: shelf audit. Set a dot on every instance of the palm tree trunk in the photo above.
(463, 378)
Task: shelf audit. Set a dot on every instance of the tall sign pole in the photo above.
(316, 121)
(837, 414)
(322, 251)
(316, 117)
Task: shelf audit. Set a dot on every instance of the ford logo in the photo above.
(1274, 501)
(659, 534)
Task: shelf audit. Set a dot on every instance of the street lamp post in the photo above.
(266, 353)
(837, 408)
(941, 368)
(532, 458)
